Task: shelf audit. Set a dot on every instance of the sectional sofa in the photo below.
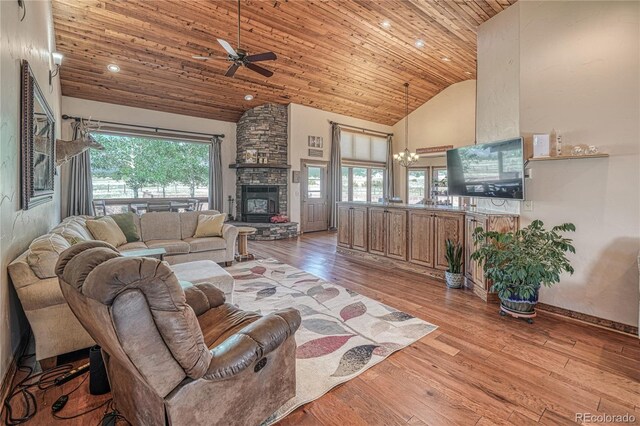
(55, 328)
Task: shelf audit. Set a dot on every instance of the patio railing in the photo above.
(102, 206)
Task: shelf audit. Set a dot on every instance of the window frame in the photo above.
(350, 165)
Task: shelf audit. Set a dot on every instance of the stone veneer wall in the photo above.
(263, 128)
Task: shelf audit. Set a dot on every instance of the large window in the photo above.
(135, 167)
(364, 166)
(362, 183)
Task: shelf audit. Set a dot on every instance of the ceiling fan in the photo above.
(240, 58)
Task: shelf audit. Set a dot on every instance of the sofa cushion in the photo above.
(44, 252)
(73, 231)
(189, 222)
(136, 245)
(106, 229)
(209, 225)
(171, 246)
(206, 244)
(126, 222)
(160, 226)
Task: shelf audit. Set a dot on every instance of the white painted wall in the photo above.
(446, 119)
(580, 74)
(145, 117)
(577, 65)
(304, 122)
(32, 39)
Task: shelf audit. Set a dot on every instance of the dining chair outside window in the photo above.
(99, 207)
(193, 205)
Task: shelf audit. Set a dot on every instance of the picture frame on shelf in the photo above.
(251, 156)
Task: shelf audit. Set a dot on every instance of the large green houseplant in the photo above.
(518, 263)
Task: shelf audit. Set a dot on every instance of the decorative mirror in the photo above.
(37, 136)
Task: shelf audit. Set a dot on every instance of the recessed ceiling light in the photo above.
(248, 97)
(445, 59)
(386, 24)
(419, 43)
(468, 72)
(113, 68)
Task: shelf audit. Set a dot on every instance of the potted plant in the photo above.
(453, 254)
(518, 263)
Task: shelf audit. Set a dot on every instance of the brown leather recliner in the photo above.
(174, 356)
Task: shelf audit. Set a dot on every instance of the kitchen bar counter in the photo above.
(426, 207)
(413, 236)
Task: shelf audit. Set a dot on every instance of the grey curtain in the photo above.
(79, 189)
(335, 167)
(390, 166)
(216, 201)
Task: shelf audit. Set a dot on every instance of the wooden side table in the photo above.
(243, 249)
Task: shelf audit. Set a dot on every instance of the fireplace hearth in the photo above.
(259, 203)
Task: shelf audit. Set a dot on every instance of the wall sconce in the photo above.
(57, 61)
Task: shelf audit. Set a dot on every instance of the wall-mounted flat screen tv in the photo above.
(491, 170)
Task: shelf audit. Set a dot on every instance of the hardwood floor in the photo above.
(477, 369)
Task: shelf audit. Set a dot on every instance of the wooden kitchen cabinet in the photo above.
(377, 234)
(359, 226)
(388, 232)
(396, 234)
(352, 227)
(414, 238)
(447, 226)
(475, 273)
(421, 226)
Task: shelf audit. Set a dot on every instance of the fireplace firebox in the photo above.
(259, 203)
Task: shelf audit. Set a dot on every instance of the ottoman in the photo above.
(205, 271)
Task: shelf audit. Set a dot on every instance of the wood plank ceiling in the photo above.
(334, 55)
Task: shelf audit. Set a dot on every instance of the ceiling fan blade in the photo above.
(232, 70)
(257, 68)
(226, 46)
(207, 57)
(266, 56)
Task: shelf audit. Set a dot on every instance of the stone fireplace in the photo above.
(262, 177)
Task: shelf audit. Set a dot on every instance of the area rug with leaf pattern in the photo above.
(342, 334)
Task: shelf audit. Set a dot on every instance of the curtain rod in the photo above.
(361, 128)
(156, 129)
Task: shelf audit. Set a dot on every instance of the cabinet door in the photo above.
(447, 227)
(377, 227)
(469, 227)
(397, 234)
(478, 271)
(344, 226)
(421, 229)
(359, 228)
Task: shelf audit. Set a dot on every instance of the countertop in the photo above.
(405, 206)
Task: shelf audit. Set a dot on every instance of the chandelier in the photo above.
(406, 158)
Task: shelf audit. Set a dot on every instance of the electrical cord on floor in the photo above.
(75, 416)
(111, 416)
(25, 387)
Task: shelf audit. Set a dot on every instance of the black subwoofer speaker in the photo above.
(98, 381)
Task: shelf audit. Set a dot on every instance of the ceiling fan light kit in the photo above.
(240, 58)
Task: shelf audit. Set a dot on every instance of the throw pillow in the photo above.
(127, 225)
(106, 229)
(210, 225)
(43, 254)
